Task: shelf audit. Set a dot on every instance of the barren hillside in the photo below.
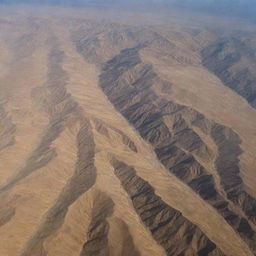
(125, 135)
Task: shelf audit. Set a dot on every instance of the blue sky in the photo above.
(241, 8)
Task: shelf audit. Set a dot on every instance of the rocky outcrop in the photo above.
(104, 129)
(97, 235)
(82, 180)
(227, 165)
(92, 39)
(52, 98)
(98, 239)
(128, 84)
(232, 60)
(127, 141)
(176, 234)
(65, 194)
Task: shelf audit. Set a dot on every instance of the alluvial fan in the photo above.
(125, 133)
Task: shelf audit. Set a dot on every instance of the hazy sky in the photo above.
(241, 8)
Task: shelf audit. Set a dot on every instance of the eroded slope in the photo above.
(113, 164)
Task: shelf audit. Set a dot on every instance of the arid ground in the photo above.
(126, 133)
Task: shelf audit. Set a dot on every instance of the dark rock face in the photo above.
(59, 105)
(169, 227)
(97, 236)
(82, 180)
(227, 165)
(104, 128)
(224, 58)
(98, 241)
(177, 145)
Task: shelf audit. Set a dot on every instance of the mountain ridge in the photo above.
(134, 146)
